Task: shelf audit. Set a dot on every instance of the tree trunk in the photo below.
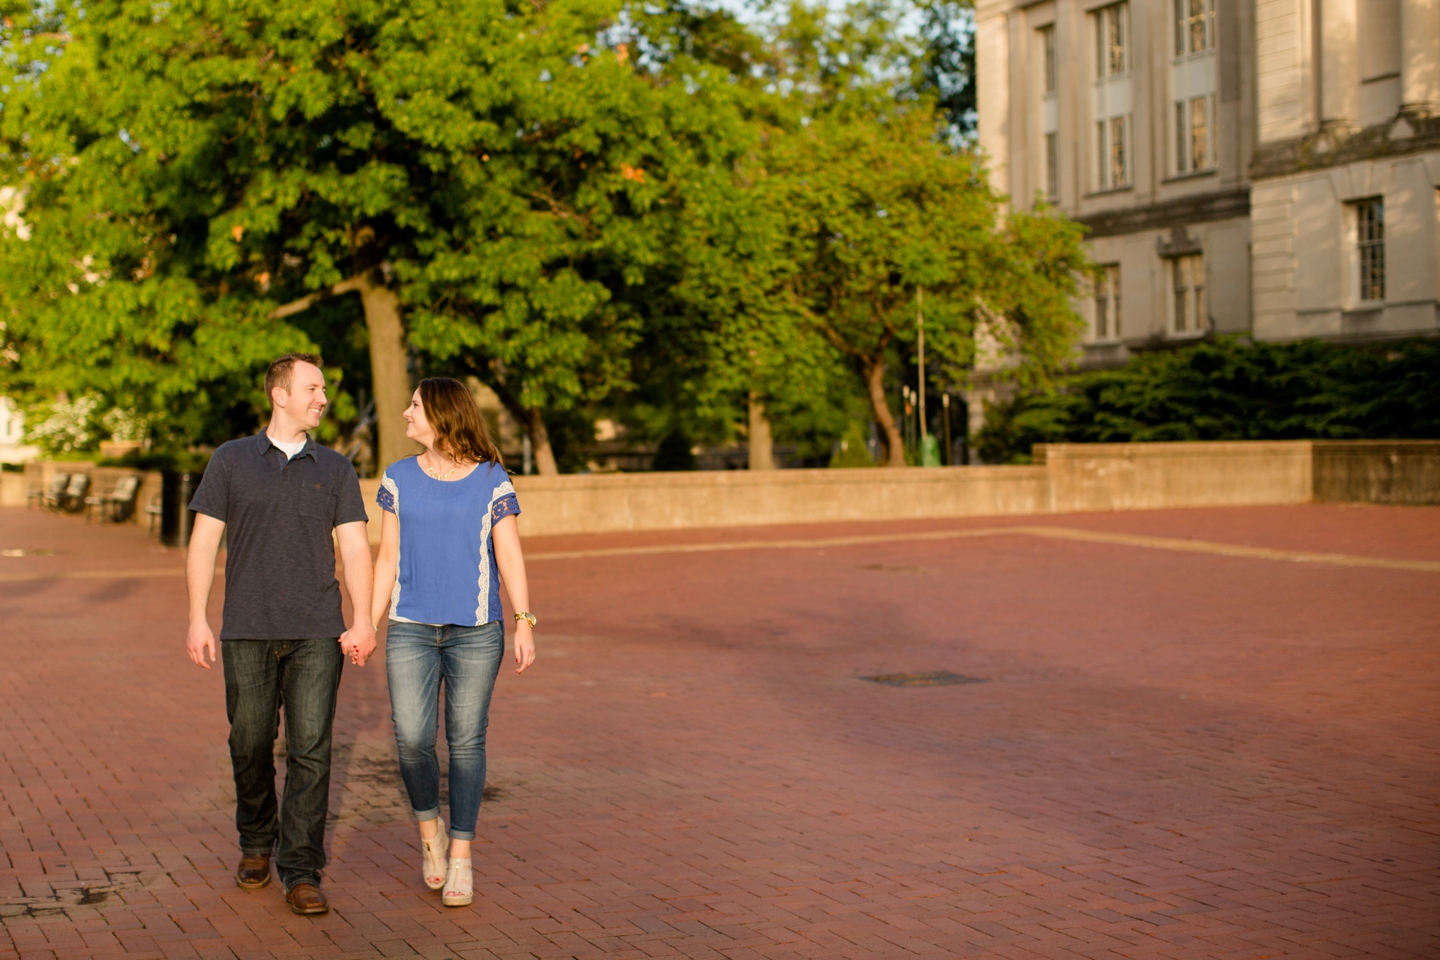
(389, 378)
(889, 432)
(540, 440)
(762, 444)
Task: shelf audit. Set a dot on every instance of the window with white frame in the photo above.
(1107, 302)
(1194, 26)
(1049, 110)
(1194, 134)
(1192, 86)
(1112, 55)
(1370, 247)
(1111, 28)
(1187, 277)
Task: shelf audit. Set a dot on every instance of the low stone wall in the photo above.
(604, 503)
(12, 489)
(1153, 476)
(1066, 478)
(1377, 471)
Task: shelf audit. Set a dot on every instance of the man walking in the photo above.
(280, 494)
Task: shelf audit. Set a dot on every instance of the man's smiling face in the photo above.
(306, 401)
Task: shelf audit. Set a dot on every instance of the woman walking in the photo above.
(448, 540)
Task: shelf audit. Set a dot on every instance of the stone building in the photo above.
(1253, 166)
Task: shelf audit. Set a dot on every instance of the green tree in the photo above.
(227, 166)
(97, 292)
(878, 208)
(571, 270)
(808, 256)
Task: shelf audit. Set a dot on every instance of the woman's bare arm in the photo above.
(511, 561)
(385, 563)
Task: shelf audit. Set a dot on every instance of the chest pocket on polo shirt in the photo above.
(317, 502)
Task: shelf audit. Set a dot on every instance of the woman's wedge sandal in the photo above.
(459, 884)
(432, 857)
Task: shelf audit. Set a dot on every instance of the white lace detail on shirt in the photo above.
(394, 489)
(482, 605)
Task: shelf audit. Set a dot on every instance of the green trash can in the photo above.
(929, 451)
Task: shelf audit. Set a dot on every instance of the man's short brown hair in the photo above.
(279, 373)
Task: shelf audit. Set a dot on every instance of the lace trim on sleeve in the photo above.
(505, 506)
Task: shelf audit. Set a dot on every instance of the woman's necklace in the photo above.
(437, 475)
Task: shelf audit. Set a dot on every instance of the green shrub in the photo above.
(854, 448)
(1231, 390)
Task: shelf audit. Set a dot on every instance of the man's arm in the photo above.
(199, 578)
(359, 641)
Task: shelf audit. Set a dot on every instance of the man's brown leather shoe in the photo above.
(254, 871)
(306, 900)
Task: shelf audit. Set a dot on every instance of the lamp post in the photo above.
(920, 359)
(929, 449)
(949, 447)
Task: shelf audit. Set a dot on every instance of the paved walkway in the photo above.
(1181, 749)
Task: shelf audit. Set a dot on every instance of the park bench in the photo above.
(48, 496)
(73, 499)
(118, 504)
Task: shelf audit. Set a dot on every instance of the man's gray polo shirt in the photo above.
(280, 563)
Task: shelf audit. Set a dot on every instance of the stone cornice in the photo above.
(1203, 208)
(1335, 146)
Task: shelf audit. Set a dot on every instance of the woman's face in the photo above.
(417, 428)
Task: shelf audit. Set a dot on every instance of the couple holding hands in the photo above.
(449, 540)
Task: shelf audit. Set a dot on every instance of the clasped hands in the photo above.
(358, 643)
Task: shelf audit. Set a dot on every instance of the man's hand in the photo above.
(358, 643)
(198, 641)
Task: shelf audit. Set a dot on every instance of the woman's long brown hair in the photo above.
(460, 431)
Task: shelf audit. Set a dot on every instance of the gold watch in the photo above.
(528, 618)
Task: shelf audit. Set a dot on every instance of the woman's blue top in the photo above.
(446, 573)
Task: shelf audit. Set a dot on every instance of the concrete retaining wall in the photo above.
(1153, 476)
(1065, 478)
(1377, 471)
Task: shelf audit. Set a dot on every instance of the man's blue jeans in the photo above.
(418, 658)
(261, 677)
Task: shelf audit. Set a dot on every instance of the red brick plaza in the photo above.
(1207, 733)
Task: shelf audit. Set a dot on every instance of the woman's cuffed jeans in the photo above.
(261, 677)
(420, 657)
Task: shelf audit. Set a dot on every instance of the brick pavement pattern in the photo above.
(1174, 754)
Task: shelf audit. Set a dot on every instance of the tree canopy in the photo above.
(658, 214)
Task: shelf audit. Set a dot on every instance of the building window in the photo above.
(1370, 237)
(1194, 26)
(1107, 302)
(1112, 96)
(1192, 85)
(1113, 162)
(1047, 54)
(1188, 280)
(1050, 112)
(1111, 25)
(1194, 135)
